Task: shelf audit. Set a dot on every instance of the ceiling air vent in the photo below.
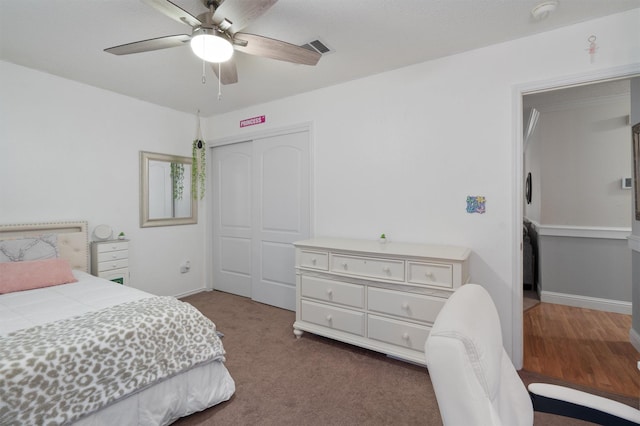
(318, 46)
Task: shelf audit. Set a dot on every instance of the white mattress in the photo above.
(29, 308)
(183, 394)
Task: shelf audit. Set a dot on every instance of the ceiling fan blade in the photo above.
(149, 45)
(275, 49)
(228, 70)
(173, 11)
(240, 13)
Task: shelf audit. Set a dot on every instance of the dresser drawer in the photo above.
(436, 274)
(332, 291)
(113, 264)
(314, 259)
(111, 246)
(112, 255)
(406, 305)
(388, 269)
(333, 317)
(398, 333)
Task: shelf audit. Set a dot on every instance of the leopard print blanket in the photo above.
(57, 373)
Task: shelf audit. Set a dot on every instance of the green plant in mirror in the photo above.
(198, 168)
(177, 180)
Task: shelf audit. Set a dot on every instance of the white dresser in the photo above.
(110, 260)
(381, 296)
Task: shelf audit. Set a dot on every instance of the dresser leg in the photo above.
(298, 333)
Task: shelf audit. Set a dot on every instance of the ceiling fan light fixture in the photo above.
(209, 45)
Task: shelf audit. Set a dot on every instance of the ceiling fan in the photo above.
(220, 27)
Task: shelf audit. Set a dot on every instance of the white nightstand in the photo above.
(110, 260)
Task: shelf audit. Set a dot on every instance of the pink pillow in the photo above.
(27, 275)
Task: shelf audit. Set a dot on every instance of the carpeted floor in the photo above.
(313, 380)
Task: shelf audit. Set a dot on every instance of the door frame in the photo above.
(248, 137)
(518, 91)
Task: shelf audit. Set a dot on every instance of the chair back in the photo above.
(474, 380)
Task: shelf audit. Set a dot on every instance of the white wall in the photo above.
(70, 152)
(533, 155)
(585, 154)
(400, 151)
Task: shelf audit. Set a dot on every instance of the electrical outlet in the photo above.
(185, 267)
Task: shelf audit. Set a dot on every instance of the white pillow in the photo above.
(38, 247)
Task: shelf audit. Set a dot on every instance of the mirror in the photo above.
(165, 190)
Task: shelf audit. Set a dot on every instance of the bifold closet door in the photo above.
(261, 205)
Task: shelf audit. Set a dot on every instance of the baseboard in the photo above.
(634, 338)
(596, 303)
(189, 293)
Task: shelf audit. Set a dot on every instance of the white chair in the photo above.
(476, 384)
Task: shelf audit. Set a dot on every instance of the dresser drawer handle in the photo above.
(344, 265)
(314, 260)
(114, 256)
(386, 269)
(329, 292)
(429, 275)
(405, 336)
(405, 306)
(329, 318)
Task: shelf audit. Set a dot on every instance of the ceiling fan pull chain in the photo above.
(219, 81)
(204, 78)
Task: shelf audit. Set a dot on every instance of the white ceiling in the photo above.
(67, 38)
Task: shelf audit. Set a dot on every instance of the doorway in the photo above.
(576, 214)
(260, 205)
(518, 189)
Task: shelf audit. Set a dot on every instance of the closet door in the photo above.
(232, 218)
(260, 205)
(281, 215)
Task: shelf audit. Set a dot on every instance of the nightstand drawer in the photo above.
(120, 276)
(333, 317)
(112, 255)
(113, 264)
(398, 333)
(112, 246)
(406, 305)
(333, 291)
(388, 269)
(435, 274)
(314, 259)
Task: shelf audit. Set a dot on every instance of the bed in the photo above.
(78, 349)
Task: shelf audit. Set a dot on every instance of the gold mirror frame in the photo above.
(145, 220)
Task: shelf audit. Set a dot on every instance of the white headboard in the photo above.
(73, 241)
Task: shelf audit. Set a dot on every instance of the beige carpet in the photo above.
(313, 380)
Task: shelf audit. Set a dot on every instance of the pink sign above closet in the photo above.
(253, 121)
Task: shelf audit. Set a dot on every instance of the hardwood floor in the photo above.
(582, 346)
